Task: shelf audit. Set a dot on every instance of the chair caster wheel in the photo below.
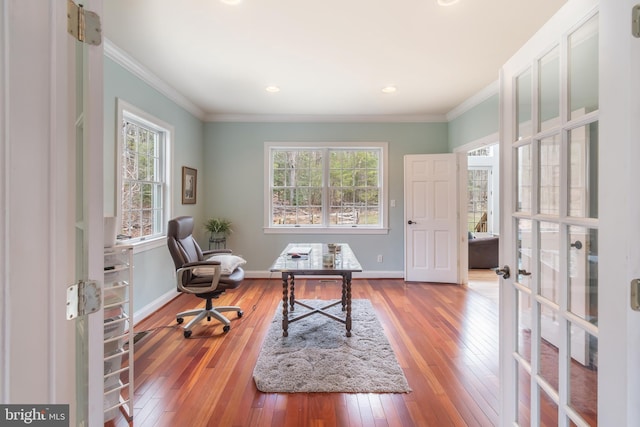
(226, 328)
(240, 313)
(187, 334)
(179, 320)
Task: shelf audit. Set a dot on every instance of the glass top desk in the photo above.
(345, 263)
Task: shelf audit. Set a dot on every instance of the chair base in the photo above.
(215, 312)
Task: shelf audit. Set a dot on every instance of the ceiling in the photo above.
(330, 58)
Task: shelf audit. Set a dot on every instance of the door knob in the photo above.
(505, 272)
(411, 222)
(577, 244)
(524, 272)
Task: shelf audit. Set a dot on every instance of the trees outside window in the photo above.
(143, 194)
(326, 186)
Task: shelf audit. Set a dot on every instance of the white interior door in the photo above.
(431, 217)
(549, 315)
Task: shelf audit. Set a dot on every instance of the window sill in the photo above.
(145, 245)
(324, 230)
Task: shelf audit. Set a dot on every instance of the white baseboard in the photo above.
(153, 306)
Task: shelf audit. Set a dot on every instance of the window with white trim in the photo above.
(326, 186)
(143, 196)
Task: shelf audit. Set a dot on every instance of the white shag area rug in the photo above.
(317, 356)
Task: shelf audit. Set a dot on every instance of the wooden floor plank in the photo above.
(445, 338)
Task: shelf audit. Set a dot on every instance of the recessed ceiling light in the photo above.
(389, 89)
(272, 89)
(447, 2)
(231, 1)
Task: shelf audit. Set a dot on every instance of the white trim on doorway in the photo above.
(463, 250)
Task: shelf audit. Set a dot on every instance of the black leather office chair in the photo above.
(196, 275)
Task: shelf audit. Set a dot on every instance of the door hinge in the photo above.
(635, 295)
(83, 24)
(635, 21)
(83, 298)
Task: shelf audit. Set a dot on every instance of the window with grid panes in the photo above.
(325, 186)
(142, 166)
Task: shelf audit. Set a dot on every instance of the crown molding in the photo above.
(123, 59)
(324, 118)
(473, 101)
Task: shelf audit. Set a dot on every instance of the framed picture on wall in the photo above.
(189, 181)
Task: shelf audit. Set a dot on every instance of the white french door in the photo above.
(431, 217)
(87, 81)
(51, 217)
(550, 224)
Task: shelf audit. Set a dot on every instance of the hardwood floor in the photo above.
(445, 338)
(485, 282)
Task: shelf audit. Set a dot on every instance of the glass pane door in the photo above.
(81, 258)
(554, 217)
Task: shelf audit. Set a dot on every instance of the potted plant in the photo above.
(219, 228)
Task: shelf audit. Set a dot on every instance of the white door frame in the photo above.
(619, 342)
(462, 151)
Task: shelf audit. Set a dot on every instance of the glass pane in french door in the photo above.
(583, 374)
(550, 275)
(549, 172)
(523, 178)
(549, 92)
(523, 107)
(583, 171)
(548, 351)
(524, 325)
(548, 409)
(524, 251)
(583, 69)
(524, 396)
(583, 273)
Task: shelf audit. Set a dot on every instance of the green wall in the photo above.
(229, 157)
(153, 273)
(234, 183)
(475, 123)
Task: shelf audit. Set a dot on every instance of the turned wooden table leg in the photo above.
(347, 278)
(285, 304)
(292, 296)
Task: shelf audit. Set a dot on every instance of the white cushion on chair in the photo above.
(228, 263)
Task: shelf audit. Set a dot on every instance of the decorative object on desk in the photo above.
(328, 260)
(318, 357)
(189, 185)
